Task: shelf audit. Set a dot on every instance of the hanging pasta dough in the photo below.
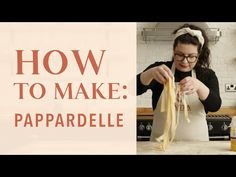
(168, 100)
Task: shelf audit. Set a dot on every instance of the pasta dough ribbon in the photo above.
(168, 100)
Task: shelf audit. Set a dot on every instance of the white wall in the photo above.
(223, 59)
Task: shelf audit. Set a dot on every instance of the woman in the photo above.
(190, 68)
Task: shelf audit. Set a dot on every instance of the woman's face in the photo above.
(185, 57)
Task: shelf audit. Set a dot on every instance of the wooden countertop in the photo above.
(231, 111)
(186, 147)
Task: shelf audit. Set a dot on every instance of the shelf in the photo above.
(165, 34)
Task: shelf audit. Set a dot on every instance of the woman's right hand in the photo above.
(161, 73)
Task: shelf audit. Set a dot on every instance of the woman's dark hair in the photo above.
(204, 51)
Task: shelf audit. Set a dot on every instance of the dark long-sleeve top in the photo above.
(205, 75)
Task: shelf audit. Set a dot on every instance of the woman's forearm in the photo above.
(203, 91)
(146, 77)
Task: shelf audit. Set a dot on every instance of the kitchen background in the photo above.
(223, 56)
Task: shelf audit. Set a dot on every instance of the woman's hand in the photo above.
(160, 73)
(190, 85)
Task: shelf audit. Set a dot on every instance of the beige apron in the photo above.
(195, 130)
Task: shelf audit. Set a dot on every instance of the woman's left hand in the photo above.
(189, 85)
